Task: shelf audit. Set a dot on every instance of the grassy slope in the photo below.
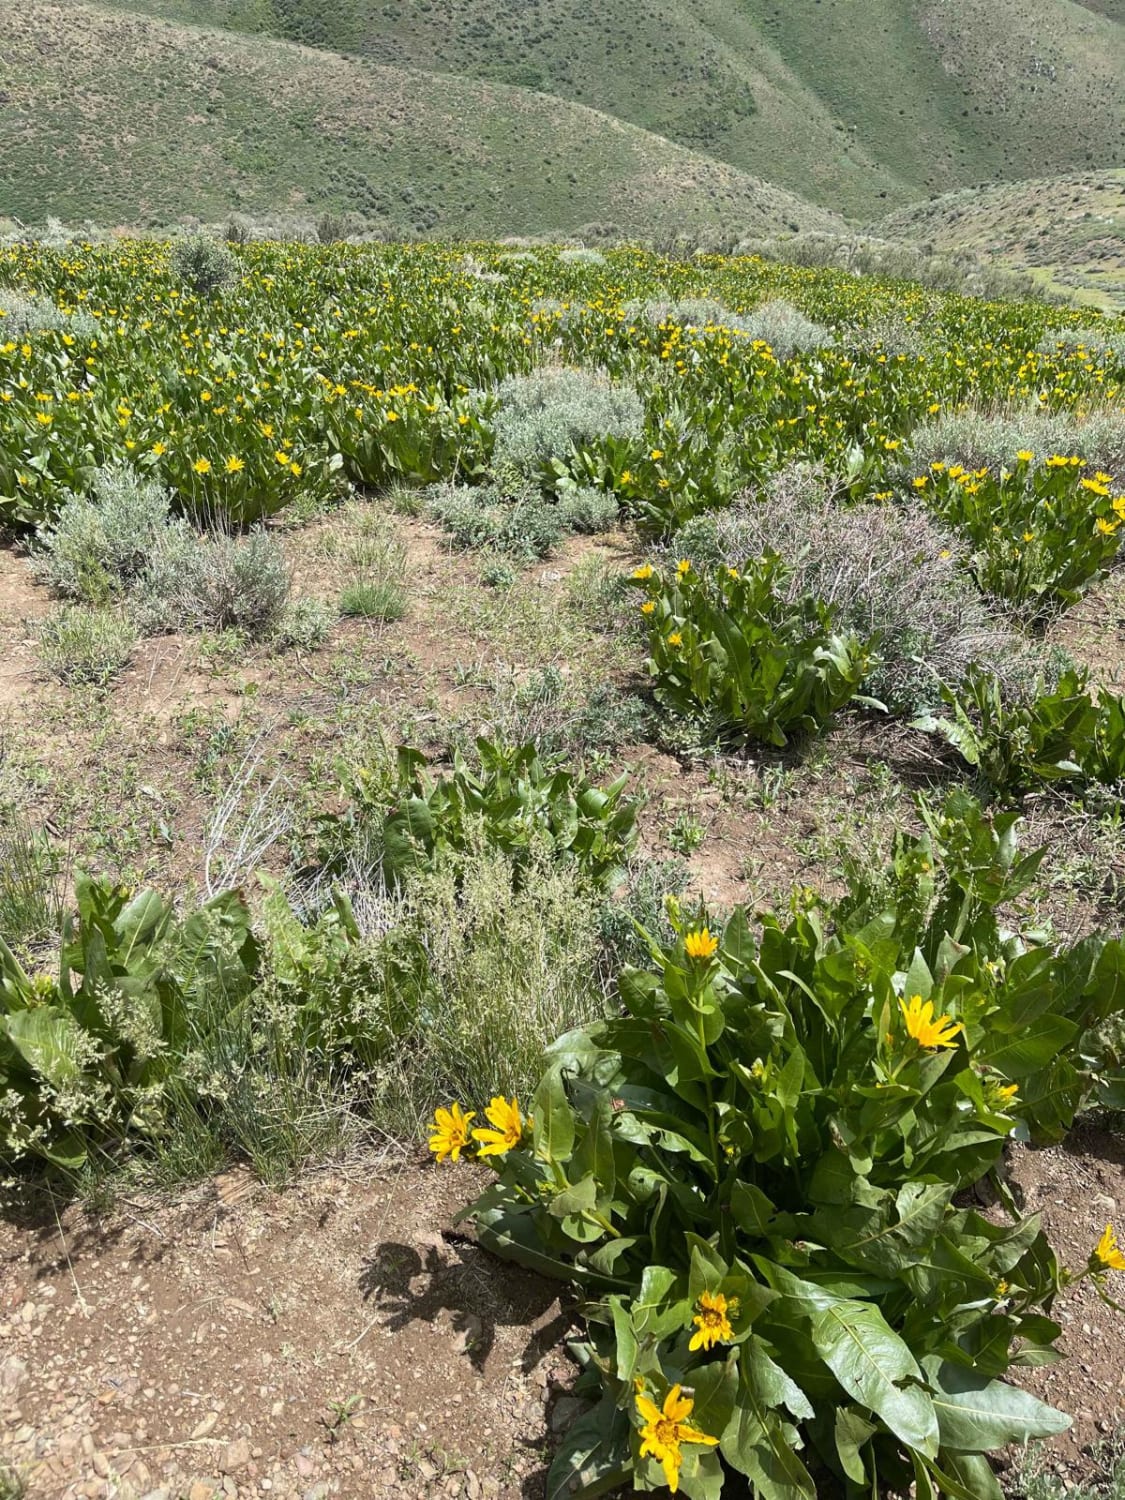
(123, 117)
(859, 106)
(1069, 229)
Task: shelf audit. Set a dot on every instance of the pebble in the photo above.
(237, 1455)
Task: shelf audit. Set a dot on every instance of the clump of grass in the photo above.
(30, 885)
(376, 562)
(86, 646)
(305, 624)
(383, 601)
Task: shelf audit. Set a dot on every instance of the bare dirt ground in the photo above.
(330, 1340)
(1077, 1187)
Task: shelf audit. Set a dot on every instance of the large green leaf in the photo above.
(869, 1360)
(49, 1041)
(554, 1119)
(757, 1441)
(593, 1458)
(978, 1415)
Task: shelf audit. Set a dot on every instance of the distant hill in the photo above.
(1068, 231)
(859, 105)
(120, 117)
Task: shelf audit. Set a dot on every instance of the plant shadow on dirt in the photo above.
(457, 1277)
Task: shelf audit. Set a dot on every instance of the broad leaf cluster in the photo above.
(755, 1174)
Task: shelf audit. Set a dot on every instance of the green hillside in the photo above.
(126, 118)
(1068, 230)
(858, 106)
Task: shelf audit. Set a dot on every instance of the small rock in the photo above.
(207, 1425)
(13, 1373)
(201, 1490)
(237, 1455)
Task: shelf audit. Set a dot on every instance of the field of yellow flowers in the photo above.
(373, 364)
(658, 723)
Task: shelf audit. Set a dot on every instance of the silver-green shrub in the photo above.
(214, 583)
(587, 510)
(99, 544)
(976, 437)
(580, 256)
(203, 264)
(785, 329)
(24, 313)
(886, 571)
(548, 414)
(781, 325)
(1103, 345)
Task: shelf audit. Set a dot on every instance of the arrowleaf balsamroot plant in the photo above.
(731, 652)
(1039, 532)
(753, 1175)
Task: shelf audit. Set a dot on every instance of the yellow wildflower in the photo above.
(675, 639)
(1107, 1254)
(1025, 455)
(701, 943)
(647, 607)
(920, 1023)
(202, 466)
(712, 1320)
(665, 1429)
(449, 1132)
(643, 573)
(234, 465)
(505, 1115)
